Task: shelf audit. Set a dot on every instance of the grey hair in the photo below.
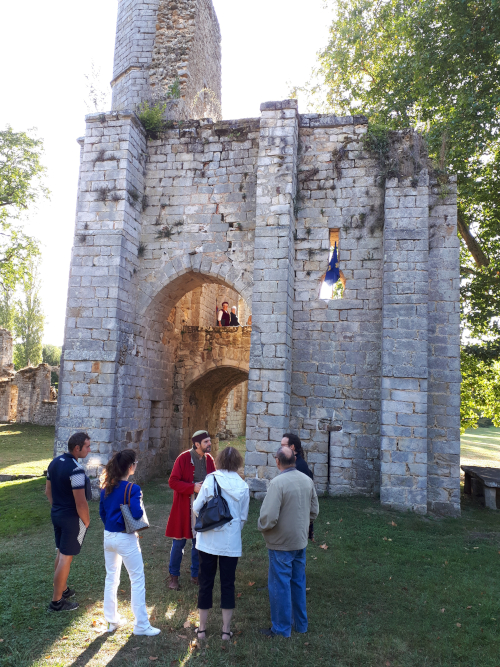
(285, 456)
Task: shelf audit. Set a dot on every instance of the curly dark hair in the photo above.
(229, 459)
(116, 468)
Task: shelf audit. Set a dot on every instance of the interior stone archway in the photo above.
(176, 344)
(204, 398)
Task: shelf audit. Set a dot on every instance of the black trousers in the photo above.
(206, 579)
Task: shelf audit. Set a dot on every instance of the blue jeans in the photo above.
(176, 554)
(287, 591)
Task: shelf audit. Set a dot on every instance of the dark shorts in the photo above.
(69, 532)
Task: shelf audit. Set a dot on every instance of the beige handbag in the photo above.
(132, 525)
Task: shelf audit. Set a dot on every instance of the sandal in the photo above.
(229, 634)
(199, 632)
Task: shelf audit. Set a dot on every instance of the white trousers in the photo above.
(124, 547)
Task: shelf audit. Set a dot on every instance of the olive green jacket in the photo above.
(291, 503)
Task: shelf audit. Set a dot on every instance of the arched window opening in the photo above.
(336, 291)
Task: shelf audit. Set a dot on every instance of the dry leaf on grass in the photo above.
(239, 595)
(187, 624)
(306, 643)
(308, 589)
(65, 636)
(393, 523)
(182, 636)
(94, 623)
(151, 657)
(251, 583)
(387, 664)
(469, 607)
(323, 546)
(30, 628)
(385, 539)
(459, 625)
(442, 610)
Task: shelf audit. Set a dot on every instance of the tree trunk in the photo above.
(474, 248)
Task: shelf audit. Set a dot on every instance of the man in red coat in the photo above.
(188, 474)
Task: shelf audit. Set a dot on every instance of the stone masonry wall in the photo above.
(187, 50)
(336, 362)
(135, 36)
(247, 209)
(234, 410)
(443, 355)
(164, 43)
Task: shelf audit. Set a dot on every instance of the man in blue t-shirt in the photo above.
(68, 491)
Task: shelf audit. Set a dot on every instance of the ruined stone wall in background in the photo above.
(234, 412)
(6, 352)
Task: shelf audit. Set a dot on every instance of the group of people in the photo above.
(286, 523)
(226, 318)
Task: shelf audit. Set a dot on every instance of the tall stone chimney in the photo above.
(168, 50)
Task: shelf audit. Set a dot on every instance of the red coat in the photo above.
(181, 481)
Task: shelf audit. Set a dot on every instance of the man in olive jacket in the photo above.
(289, 507)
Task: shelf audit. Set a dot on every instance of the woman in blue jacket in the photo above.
(121, 546)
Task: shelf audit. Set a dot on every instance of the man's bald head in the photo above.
(285, 457)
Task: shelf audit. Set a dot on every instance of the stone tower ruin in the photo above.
(247, 211)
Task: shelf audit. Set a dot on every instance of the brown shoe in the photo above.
(194, 580)
(173, 582)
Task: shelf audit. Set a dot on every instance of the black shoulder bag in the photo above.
(214, 513)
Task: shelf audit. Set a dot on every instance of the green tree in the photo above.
(51, 354)
(29, 321)
(21, 186)
(435, 65)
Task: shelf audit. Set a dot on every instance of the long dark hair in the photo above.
(116, 468)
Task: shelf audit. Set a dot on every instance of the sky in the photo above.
(47, 48)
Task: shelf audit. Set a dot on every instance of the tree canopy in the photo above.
(21, 186)
(29, 321)
(51, 354)
(434, 65)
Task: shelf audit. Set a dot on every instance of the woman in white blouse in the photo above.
(222, 544)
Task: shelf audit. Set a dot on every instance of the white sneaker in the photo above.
(114, 626)
(148, 632)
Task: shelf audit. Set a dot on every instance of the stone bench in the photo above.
(486, 480)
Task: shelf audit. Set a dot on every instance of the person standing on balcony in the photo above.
(234, 318)
(224, 317)
(189, 472)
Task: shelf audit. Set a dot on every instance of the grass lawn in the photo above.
(391, 589)
(25, 449)
(480, 447)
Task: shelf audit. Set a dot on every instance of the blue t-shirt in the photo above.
(65, 475)
(109, 507)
